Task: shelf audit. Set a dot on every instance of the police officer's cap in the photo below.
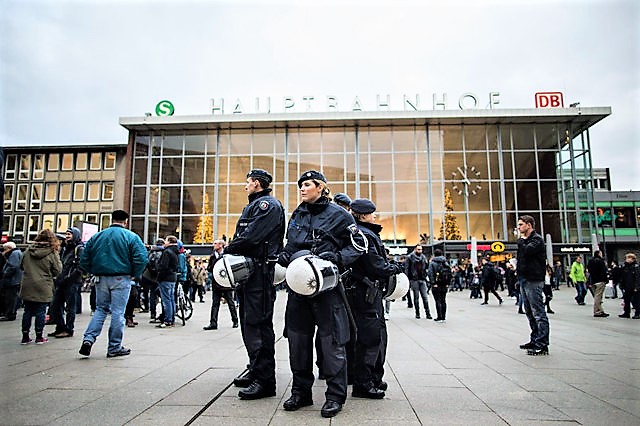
(342, 198)
(311, 175)
(362, 206)
(260, 174)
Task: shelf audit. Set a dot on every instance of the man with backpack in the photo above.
(67, 285)
(440, 276)
(150, 279)
(488, 279)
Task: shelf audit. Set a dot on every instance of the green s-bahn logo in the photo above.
(164, 108)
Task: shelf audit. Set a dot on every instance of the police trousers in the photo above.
(327, 313)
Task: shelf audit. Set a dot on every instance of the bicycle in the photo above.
(184, 308)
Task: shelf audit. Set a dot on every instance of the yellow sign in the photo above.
(497, 247)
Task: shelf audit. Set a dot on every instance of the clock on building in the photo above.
(466, 180)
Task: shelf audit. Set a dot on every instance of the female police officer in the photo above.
(371, 272)
(328, 231)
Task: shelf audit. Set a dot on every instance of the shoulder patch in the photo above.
(263, 205)
(353, 229)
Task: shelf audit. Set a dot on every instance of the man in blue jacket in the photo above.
(114, 256)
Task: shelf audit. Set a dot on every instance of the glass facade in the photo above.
(430, 182)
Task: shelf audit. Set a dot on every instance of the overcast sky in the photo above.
(70, 69)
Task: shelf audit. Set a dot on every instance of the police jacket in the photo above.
(531, 258)
(324, 227)
(373, 264)
(168, 264)
(114, 251)
(597, 270)
(260, 229)
(630, 276)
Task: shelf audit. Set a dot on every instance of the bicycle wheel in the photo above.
(180, 313)
(188, 309)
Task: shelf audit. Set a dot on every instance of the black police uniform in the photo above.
(259, 234)
(330, 232)
(370, 275)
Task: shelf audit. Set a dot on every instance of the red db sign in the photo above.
(549, 100)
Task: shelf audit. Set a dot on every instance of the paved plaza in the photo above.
(468, 371)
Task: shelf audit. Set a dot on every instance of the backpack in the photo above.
(443, 275)
(154, 262)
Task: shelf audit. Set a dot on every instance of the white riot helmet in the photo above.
(398, 286)
(232, 270)
(280, 274)
(309, 275)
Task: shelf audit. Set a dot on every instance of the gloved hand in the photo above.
(284, 258)
(398, 269)
(330, 256)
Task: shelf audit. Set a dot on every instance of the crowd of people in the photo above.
(332, 243)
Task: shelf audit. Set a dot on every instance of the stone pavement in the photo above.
(466, 371)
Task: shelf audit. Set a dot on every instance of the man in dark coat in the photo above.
(630, 284)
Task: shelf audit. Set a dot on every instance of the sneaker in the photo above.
(85, 349)
(601, 315)
(538, 351)
(122, 352)
(636, 316)
(528, 345)
(41, 340)
(63, 334)
(26, 340)
(624, 315)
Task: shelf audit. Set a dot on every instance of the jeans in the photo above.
(64, 299)
(112, 294)
(581, 291)
(34, 309)
(167, 291)
(531, 294)
(419, 290)
(440, 297)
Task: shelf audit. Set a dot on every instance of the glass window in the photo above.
(34, 227)
(92, 218)
(172, 144)
(65, 192)
(140, 170)
(110, 161)
(105, 221)
(172, 170)
(54, 162)
(36, 196)
(624, 217)
(107, 192)
(78, 191)
(67, 161)
(19, 223)
(194, 143)
(76, 220)
(94, 191)
(48, 221)
(25, 167)
(38, 166)
(193, 170)
(142, 145)
(21, 198)
(6, 223)
(8, 197)
(96, 161)
(51, 192)
(81, 161)
(63, 223)
(10, 167)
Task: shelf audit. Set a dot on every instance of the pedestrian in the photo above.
(370, 275)
(41, 265)
(219, 293)
(488, 279)
(199, 276)
(579, 279)
(614, 272)
(558, 274)
(149, 280)
(547, 290)
(416, 269)
(630, 285)
(114, 256)
(343, 200)
(599, 277)
(531, 271)
(67, 285)
(168, 276)
(258, 235)
(331, 233)
(11, 278)
(440, 275)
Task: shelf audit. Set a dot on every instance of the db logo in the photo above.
(549, 100)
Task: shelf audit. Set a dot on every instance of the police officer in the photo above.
(370, 274)
(343, 200)
(330, 232)
(259, 234)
